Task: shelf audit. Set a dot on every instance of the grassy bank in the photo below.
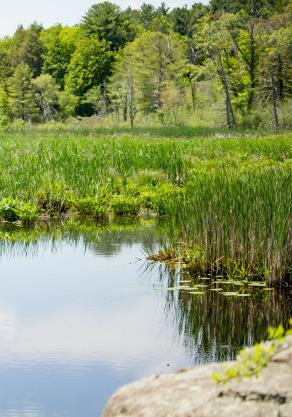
(227, 198)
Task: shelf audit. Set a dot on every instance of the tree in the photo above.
(254, 8)
(46, 96)
(185, 22)
(145, 68)
(6, 69)
(181, 18)
(94, 98)
(68, 103)
(4, 111)
(21, 95)
(172, 99)
(275, 69)
(59, 44)
(214, 37)
(193, 74)
(123, 88)
(89, 66)
(109, 24)
(26, 47)
(242, 29)
(162, 10)
(147, 14)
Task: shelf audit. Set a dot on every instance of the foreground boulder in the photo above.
(192, 393)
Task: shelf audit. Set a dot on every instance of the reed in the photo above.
(226, 199)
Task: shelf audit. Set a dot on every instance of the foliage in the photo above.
(46, 96)
(145, 68)
(4, 113)
(202, 185)
(109, 24)
(89, 66)
(119, 64)
(91, 206)
(21, 97)
(68, 103)
(14, 210)
(26, 47)
(125, 205)
(251, 362)
(59, 44)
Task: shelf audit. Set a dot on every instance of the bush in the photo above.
(91, 206)
(165, 197)
(125, 204)
(14, 210)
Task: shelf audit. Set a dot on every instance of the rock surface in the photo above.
(192, 393)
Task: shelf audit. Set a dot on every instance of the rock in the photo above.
(192, 393)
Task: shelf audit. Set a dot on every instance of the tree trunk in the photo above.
(132, 112)
(280, 78)
(231, 122)
(125, 108)
(274, 91)
(252, 66)
(193, 91)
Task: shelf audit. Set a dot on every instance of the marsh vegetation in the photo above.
(225, 198)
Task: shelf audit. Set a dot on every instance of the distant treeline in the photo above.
(133, 62)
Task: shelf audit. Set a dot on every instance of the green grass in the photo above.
(228, 196)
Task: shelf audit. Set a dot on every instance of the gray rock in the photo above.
(192, 393)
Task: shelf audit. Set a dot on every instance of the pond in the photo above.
(80, 315)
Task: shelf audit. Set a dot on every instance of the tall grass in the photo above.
(229, 197)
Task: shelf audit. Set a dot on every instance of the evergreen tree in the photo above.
(146, 67)
(109, 24)
(162, 10)
(147, 14)
(26, 47)
(21, 94)
(6, 69)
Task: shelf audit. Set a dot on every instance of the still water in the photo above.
(79, 317)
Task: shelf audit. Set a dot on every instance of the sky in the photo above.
(67, 12)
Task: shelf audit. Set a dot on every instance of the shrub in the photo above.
(91, 206)
(125, 204)
(14, 210)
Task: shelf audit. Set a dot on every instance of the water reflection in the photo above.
(216, 327)
(78, 318)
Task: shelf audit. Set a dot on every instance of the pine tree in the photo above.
(21, 97)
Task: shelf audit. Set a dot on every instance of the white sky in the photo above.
(67, 12)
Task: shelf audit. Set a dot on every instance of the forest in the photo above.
(227, 63)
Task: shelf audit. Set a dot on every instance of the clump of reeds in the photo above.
(227, 200)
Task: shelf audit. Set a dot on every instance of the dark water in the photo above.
(79, 317)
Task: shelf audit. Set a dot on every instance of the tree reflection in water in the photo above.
(214, 327)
